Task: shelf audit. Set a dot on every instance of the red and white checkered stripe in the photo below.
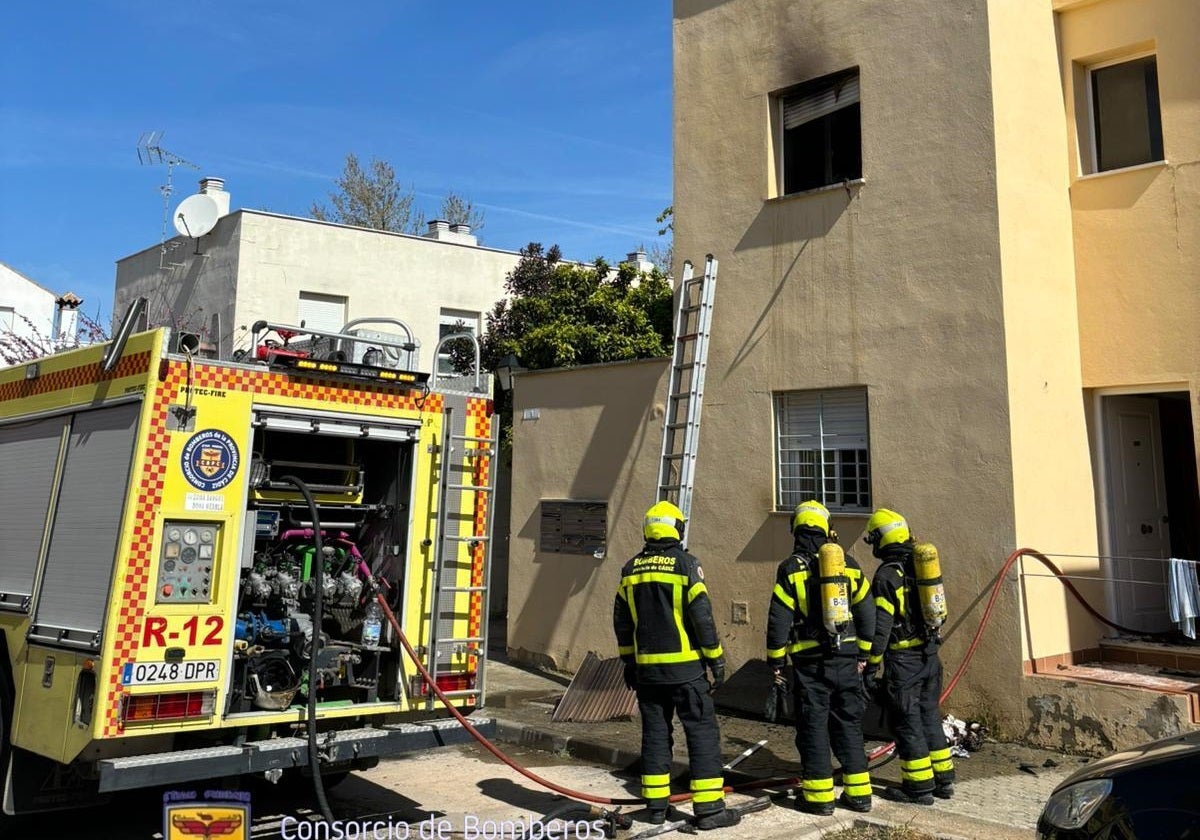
(479, 425)
(135, 578)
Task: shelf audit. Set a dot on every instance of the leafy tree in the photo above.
(663, 255)
(373, 198)
(459, 210)
(370, 198)
(561, 314)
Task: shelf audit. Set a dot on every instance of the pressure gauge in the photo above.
(206, 535)
(188, 555)
(173, 534)
(190, 537)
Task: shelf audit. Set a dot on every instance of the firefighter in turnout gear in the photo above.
(821, 616)
(666, 637)
(906, 644)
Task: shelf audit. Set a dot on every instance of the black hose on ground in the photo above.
(577, 812)
(314, 759)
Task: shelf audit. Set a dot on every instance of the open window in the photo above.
(820, 133)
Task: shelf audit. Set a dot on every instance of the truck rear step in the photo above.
(345, 745)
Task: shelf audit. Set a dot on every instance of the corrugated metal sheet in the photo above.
(597, 693)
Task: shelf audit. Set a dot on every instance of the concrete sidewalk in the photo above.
(995, 797)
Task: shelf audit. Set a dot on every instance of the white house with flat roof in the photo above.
(254, 265)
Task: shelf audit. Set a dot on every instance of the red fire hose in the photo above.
(756, 784)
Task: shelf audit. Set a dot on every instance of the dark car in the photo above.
(1147, 793)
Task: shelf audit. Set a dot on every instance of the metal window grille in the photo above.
(570, 527)
(821, 449)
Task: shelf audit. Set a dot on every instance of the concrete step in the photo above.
(1098, 708)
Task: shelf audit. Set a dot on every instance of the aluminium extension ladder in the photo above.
(685, 389)
(443, 646)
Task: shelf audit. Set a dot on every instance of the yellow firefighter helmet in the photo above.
(664, 521)
(884, 528)
(811, 513)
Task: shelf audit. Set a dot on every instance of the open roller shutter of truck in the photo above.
(73, 596)
(29, 453)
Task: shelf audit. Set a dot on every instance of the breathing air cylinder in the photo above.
(835, 588)
(930, 591)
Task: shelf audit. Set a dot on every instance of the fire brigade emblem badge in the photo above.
(210, 460)
(218, 815)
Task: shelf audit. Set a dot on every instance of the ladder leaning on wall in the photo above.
(685, 389)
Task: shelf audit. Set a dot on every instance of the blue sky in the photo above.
(553, 116)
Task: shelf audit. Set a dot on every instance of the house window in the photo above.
(821, 141)
(1126, 121)
(821, 449)
(322, 313)
(8, 318)
(450, 322)
(574, 527)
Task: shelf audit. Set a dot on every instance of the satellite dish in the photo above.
(196, 215)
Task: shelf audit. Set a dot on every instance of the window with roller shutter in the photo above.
(822, 450)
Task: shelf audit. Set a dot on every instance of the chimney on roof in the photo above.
(638, 258)
(215, 187)
(66, 319)
(443, 231)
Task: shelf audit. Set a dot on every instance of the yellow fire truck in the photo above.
(159, 567)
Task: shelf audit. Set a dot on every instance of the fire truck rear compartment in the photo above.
(362, 487)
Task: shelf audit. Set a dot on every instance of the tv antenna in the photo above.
(151, 153)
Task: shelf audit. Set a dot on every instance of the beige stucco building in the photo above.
(958, 246)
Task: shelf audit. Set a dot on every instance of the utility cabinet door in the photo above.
(74, 593)
(29, 454)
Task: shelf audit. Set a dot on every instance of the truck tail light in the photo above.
(446, 682)
(143, 708)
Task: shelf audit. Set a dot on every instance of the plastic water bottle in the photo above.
(372, 624)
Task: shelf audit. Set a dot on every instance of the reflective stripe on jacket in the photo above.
(795, 621)
(662, 615)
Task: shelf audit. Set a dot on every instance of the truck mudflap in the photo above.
(344, 748)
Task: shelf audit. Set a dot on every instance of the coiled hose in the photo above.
(755, 784)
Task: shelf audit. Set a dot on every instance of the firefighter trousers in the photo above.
(829, 712)
(913, 680)
(659, 704)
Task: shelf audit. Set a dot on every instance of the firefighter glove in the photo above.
(870, 678)
(630, 676)
(717, 666)
(779, 701)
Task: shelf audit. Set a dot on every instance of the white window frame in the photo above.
(1093, 164)
(827, 443)
(448, 317)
